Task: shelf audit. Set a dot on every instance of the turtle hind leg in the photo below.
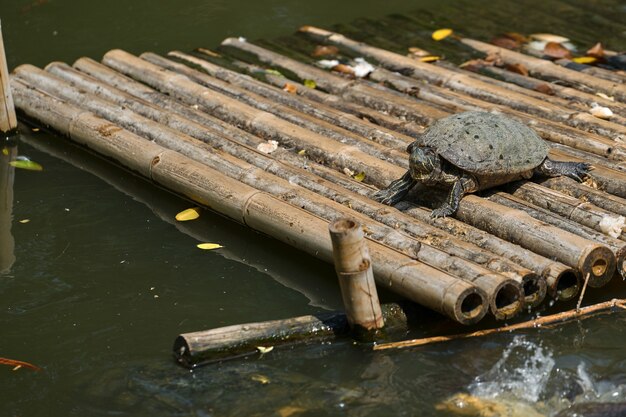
(396, 190)
(452, 204)
(578, 171)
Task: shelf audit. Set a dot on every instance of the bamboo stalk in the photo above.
(430, 287)
(358, 92)
(505, 292)
(356, 278)
(518, 227)
(546, 68)
(223, 343)
(462, 82)
(8, 120)
(7, 178)
(574, 314)
(600, 277)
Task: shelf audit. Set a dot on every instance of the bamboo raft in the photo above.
(198, 124)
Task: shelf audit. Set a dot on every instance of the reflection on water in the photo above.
(8, 152)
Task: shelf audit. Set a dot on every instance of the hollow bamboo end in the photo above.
(621, 262)
(466, 304)
(182, 352)
(600, 263)
(535, 289)
(508, 300)
(564, 285)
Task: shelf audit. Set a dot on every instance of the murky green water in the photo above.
(101, 279)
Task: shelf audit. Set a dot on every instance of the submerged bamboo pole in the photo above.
(506, 296)
(8, 120)
(223, 343)
(544, 68)
(430, 287)
(356, 277)
(518, 227)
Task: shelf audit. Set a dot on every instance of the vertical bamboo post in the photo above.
(8, 120)
(356, 277)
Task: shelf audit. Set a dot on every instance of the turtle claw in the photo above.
(443, 211)
(578, 171)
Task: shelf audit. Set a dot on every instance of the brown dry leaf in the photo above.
(556, 50)
(544, 88)
(505, 42)
(596, 51)
(344, 69)
(518, 37)
(419, 52)
(494, 58)
(518, 69)
(290, 88)
(323, 50)
(289, 410)
(475, 64)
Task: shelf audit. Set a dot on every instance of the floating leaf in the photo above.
(596, 51)
(274, 72)
(429, 58)
(18, 364)
(556, 50)
(585, 59)
(290, 88)
(289, 410)
(267, 147)
(518, 69)
(310, 84)
(26, 164)
(189, 214)
(264, 349)
(360, 176)
(35, 129)
(209, 246)
(24, 221)
(322, 50)
(260, 378)
(440, 34)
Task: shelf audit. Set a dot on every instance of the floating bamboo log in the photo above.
(356, 278)
(430, 287)
(518, 227)
(617, 246)
(505, 293)
(8, 121)
(545, 68)
(196, 348)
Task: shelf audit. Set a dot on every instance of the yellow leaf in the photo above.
(274, 72)
(264, 349)
(260, 378)
(441, 34)
(209, 246)
(26, 164)
(310, 84)
(584, 59)
(23, 221)
(189, 214)
(5, 151)
(429, 58)
(302, 152)
(289, 410)
(360, 176)
(35, 129)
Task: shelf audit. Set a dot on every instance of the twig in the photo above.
(582, 293)
(18, 364)
(539, 322)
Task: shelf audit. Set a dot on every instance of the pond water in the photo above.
(100, 280)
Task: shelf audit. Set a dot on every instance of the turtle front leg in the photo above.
(396, 190)
(452, 204)
(578, 171)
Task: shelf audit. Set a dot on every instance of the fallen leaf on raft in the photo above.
(322, 50)
(359, 177)
(310, 84)
(362, 68)
(18, 364)
(267, 147)
(327, 63)
(260, 378)
(302, 152)
(348, 171)
(209, 246)
(584, 59)
(418, 52)
(24, 221)
(475, 64)
(440, 34)
(209, 52)
(505, 42)
(517, 37)
(600, 112)
(544, 88)
(344, 69)
(556, 50)
(604, 96)
(274, 72)
(290, 88)
(518, 69)
(189, 214)
(264, 349)
(548, 37)
(289, 410)
(429, 58)
(26, 164)
(596, 51)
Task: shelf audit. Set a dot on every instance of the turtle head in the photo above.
(425, 164)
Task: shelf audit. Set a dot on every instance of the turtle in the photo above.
(474, 151)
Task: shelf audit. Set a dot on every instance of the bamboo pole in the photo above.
(356, 278)
(617, 247)
(223, 343)
(430, 287)
(574, 314)
(8, 120)
(463, 82)
(545, 68)
(518, 227)
(7, 177)
(505, 294)
(597, 72)
(563, 282)
(351, 90)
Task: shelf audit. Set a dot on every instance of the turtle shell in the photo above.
(486, 143)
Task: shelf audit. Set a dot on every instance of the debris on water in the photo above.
(209, 246)
(188, 214)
